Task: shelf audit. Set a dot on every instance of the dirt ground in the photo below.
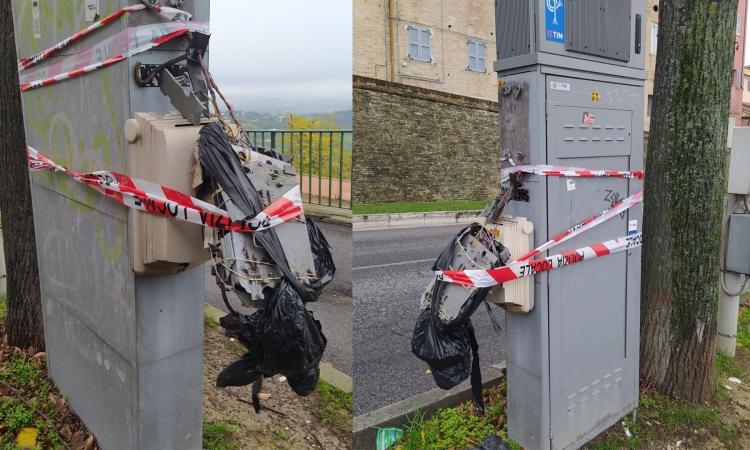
(285, 422)
(735, 410)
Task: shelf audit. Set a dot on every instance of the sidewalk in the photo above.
(408, 220)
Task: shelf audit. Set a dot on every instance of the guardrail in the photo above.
(322, 159)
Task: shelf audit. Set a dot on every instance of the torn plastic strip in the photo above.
(117, 48)
(165, 11)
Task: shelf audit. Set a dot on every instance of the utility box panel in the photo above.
(739, 162)
(517, 235)
(573, 360)
(738, 244)
(162, 152)
(604, 32)
(575, 98)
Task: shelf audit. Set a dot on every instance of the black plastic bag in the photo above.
(245, 328)
(304, 383)
(292, 338)
(492, 443)
(447, 352)
(324, 266)
(243, 371)
(223, 167)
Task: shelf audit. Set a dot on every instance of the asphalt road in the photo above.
(334, 309)
(391, 271)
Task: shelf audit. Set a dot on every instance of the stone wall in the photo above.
(416, 144)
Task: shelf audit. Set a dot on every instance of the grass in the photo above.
(409, 207)
(459, 427)
(333, 406)
(743, 324)
(39, 411)
(663, 417)
(673, 417)
(3, 306)
(219, 436)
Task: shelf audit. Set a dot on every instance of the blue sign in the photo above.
(555, 21)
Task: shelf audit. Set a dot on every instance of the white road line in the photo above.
(402, 263)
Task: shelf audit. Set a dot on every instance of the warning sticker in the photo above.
(632, 227)
(559, 86)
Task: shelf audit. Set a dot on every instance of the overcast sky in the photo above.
(283, 55)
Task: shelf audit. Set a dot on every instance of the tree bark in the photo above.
(684, 189)
(23, 323)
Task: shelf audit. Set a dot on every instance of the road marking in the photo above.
(402, 263)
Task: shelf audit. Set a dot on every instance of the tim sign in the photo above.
(555, 21)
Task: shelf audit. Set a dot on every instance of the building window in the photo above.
(748, 84)
(650, 105)
(738, 78)
(654, 37)
(476, 56)
(420, 44)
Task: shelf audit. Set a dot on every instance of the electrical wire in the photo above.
(745, 278)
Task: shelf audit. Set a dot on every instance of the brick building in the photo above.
(739, 88)
(443, 45)
(425, 101)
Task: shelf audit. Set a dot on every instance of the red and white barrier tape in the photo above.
(161, 200)
(130, 42)
(564, 171)
(616, 209)
(165, 11)
(491, 277)
(521, 269)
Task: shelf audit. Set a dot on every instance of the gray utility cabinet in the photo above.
(126, 350)
(572, 362)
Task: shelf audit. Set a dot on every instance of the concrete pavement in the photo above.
(391, 271)
(334, 309)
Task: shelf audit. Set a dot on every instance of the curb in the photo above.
(408, 220)
(330, 214)
(397, 414)
(328, 373)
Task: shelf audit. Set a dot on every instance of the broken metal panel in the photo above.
(468, 253)
(252, 270)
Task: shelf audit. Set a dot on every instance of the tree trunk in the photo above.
(684, 188)
(23, 324)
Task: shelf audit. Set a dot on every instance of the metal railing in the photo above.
(322, 159)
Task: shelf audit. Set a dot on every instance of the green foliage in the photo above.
(333, 406)
(408, 207)
(674, 417)
(20, 373)
(14, 415)
(449, 428)
(325, 154)
(219, 436)
(743, 326)
(458, 428)
(3, 306)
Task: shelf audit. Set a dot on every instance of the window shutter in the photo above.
(424, 45)
(413, 43)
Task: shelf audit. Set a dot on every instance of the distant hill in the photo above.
(264, 121)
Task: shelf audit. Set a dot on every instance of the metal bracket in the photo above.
(184, 84)
(180, 93)
(145, 69)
